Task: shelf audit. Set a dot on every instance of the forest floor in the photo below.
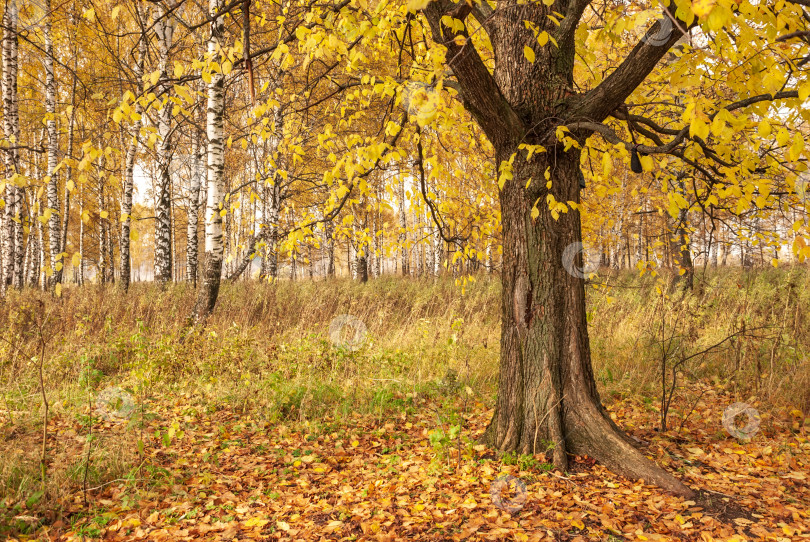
(416, 473)
(261, 427)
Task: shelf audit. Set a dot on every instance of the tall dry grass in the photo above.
(266, 351)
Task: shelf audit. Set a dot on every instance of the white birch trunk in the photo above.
(403, 226)
(129, 177)
(192, 243)
(12, 236)
(206, 300)
(164, 30)
(54, 222)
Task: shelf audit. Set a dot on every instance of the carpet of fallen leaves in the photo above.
(230, 476)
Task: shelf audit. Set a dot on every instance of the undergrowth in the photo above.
(267, 351)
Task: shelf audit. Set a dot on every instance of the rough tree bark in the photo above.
(329, 232)
(12, 234)
(197, 175)
(132, 143)
(547, 394)
(403, 226)
(54, 222)
(214, 250)
(68, 169)
(164, 30)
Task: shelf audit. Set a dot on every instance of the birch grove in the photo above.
(147, 123)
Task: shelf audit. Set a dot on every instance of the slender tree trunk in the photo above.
(273, 217)
(68, 169)
(81, 234)
(329, 231)
(12, 238)
(54, 221)
(192, 243)
(129, 178)
(403, 227)
(110, 244)
(102, 233)
(35, 247)
(126, 207)
(164, 29)
(209, 290)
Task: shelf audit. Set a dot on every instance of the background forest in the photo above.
(395, 270)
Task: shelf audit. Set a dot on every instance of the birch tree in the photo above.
(214, 249)
(164, 25)
(13, 235)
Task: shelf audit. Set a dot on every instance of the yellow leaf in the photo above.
(764, 128)
(416, 5)
(58, 290)
(256, 522)
(578, 524)
(355, 444)
(702, 8)
(155, 77)
(804, 91)
(77, 259)
(528, 52)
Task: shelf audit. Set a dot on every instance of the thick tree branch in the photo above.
(568, 25)
(601, 101)
(479, 91)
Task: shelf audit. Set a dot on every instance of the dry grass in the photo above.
(266, 350)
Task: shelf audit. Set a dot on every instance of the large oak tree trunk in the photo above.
(547, 396)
